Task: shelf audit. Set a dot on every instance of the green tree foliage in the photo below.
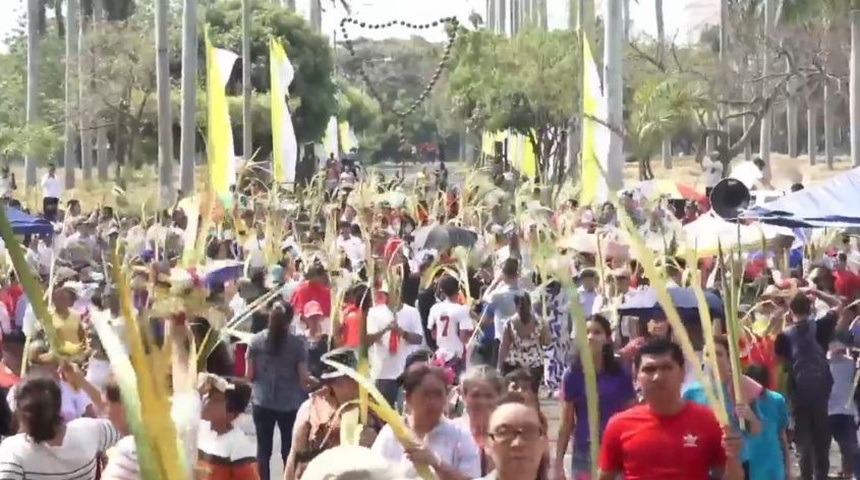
(358, 108)
(310, 54)
(123, 81)
(528, 85)
(399, 70)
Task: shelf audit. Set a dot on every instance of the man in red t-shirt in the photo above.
(315, 288)
(667, 437)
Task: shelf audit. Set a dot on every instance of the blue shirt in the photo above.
(276, 384)
(766, 460)
(488, 331)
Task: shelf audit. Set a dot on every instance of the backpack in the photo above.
(810, 380)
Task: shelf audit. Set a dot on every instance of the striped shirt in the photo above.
(74, 459)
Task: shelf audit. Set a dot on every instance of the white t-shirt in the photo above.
(713, 172)
(75, 459)
(75, 403)
(254, 252)
(385, 365)
(353, 247)
(449, 319)
(51, 187)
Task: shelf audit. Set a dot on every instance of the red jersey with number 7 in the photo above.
(641, 445)
(447, 320)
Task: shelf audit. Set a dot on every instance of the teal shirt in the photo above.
(695, 392)
(767, 461)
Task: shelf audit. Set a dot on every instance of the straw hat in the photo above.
(347, 462)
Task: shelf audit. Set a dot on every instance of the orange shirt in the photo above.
(229, 456)
(351, 328)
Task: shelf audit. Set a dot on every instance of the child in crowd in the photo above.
(224, 451)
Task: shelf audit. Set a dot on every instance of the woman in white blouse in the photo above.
(444, 447)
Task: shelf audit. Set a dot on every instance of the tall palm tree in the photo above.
(33, 16)
(764, 139)
(84, 69)
(71, 100)
(188, 146)
(613, 65)
(165, 117)
(666, 146)
(102, 159)
(247, 139)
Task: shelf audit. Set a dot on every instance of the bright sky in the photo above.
(681, 16)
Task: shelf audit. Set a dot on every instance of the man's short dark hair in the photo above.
(511, 267)
(800, 305)
(449, 285)
(659, 346)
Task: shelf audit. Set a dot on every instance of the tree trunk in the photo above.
(625, 20)
(490, 21)
(790, 114)
(666, 146)
(247, 133)
(188, 146)
(854, 88)
(102, 158)
(84, 66)
(316, 16)
(33, 12)
(165, 117)
(71, 100)
(791, 125)
(764, 145)
(828, 123)
(614, 86)
(811, 132)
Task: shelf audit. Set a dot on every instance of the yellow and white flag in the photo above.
(219, 135)
(331, 142)
(347, 137)
(285, 148)
(595, 135)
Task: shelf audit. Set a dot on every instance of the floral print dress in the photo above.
(552, 308)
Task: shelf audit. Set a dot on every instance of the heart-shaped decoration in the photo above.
(452, 25)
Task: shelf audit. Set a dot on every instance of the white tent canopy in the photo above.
(708, 232)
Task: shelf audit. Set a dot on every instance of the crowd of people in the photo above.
(469, 355)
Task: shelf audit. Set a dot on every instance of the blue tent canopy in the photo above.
(830, 204)
(25, 224)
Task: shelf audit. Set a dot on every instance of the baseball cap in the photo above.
(345, 356)
(312, 309)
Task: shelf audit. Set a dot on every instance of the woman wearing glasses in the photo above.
(517, 441)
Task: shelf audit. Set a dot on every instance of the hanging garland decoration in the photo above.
(453, 25)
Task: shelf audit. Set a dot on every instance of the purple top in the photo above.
(614, 391)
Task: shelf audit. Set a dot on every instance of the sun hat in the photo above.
(345, 356)
(351, 462)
